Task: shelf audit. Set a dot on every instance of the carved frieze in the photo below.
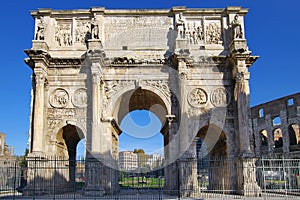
(52, 125)
(80, 98)
(63, 33)
(197, 97)
(134, 61)
(213, 32)
(220, 97)
(160, 85)
(194, 32)
(111, 87)
(66, 112)
(82, 32)
(59, 98)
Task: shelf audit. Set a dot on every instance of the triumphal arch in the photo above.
(92, 67)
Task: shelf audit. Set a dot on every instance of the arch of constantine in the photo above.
(187, 66)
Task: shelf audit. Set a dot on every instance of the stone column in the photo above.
(240, 55)
(94, 167)
(241, 94)
(38, 117)
(171, 155)
(95, 136)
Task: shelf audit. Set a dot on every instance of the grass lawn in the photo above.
(135, 182)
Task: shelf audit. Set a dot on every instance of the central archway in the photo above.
(156, 104)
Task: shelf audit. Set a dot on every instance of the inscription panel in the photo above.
(137, 31)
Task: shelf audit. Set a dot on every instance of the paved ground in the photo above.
(149, 196)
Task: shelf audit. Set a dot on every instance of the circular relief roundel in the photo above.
(197, 97)
(80, 98)
(59, 98)
(220, 97)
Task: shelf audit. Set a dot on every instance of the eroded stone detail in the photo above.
(220, 97)
(40, 33)
(160, 85)
(52, 125)
(111, 87)
(82, 32)
(213, 32)
(66, 113)
(59, 98)
(197, 97)
(80, 98)
(194, 32)
(63, 34)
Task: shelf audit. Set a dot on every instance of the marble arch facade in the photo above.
(191, 63)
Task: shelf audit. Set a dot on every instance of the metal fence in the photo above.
(277, 178)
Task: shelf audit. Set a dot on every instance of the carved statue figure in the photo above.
(40, 31)
(180, 25)
(236, 28)
(95, 31)
(200, 33)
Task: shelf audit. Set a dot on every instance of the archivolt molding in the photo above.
(54, 125)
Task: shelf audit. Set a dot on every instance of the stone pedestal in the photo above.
(238, 46)
(181, 44)
(40, 45)
(47, 175)
(94, 178)
(247, 178)
(188, 183)
(94, 44)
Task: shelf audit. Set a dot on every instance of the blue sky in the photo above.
(272, 31)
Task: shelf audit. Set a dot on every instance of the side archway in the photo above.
(213, 168)
(68, 138)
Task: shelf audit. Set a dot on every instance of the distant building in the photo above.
(155, 161)
(5, 150)
(276, 127)
(128, 160)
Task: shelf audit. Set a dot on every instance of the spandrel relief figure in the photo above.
(236, 28)
(40, 34)
(180, 25)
